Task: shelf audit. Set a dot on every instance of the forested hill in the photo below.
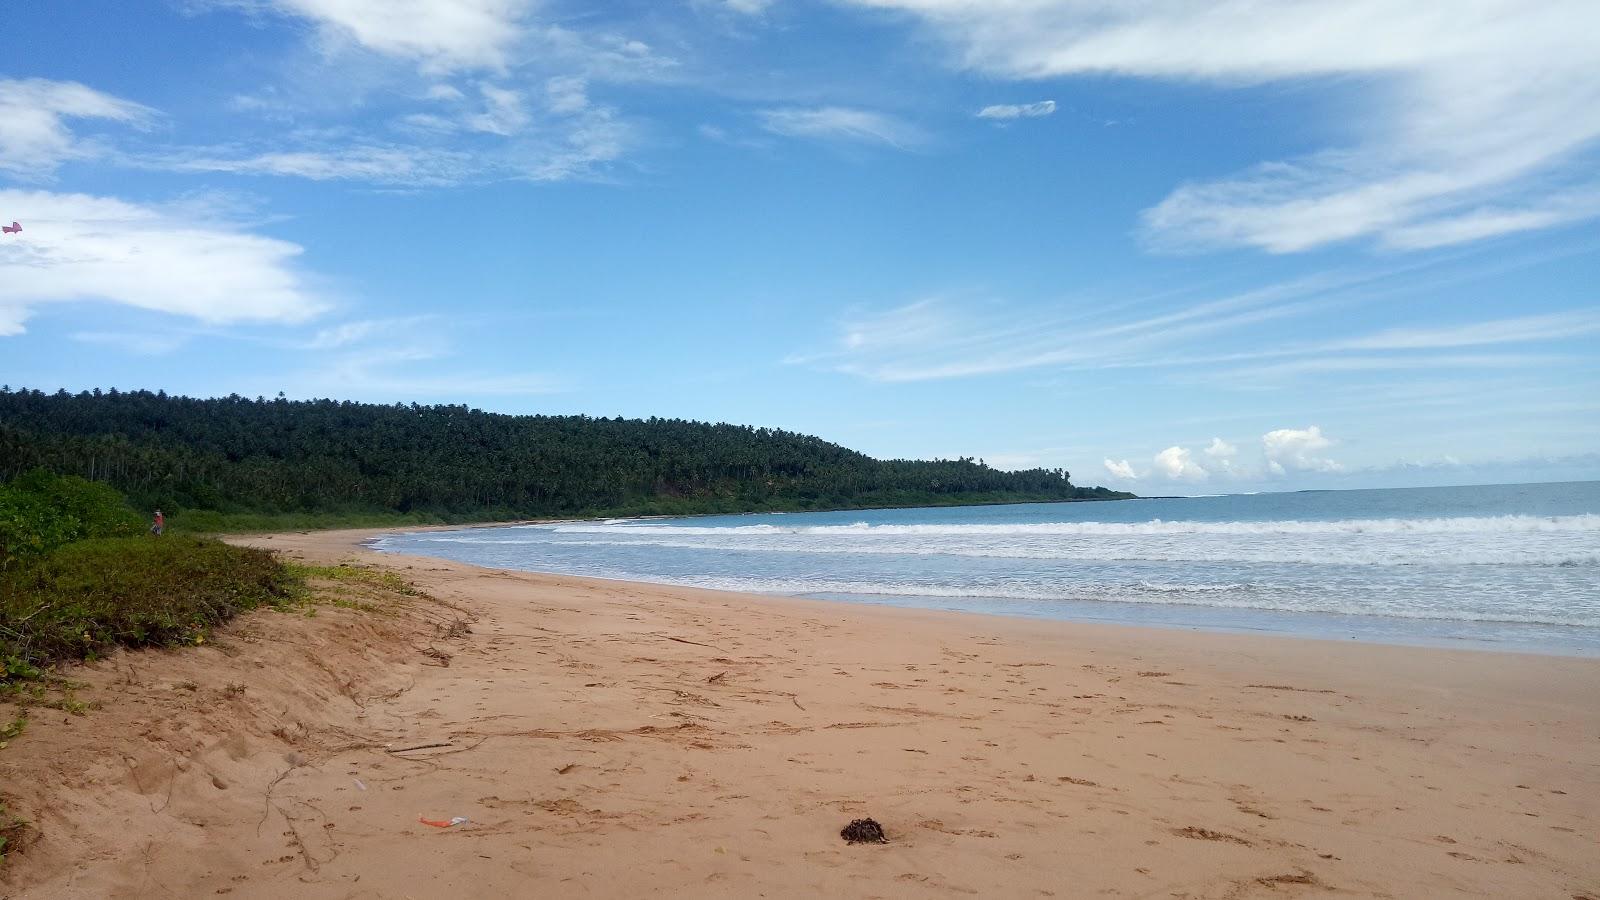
(237, 455)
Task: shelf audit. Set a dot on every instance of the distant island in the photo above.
(234, 462)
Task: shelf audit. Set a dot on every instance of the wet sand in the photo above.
(612, 739)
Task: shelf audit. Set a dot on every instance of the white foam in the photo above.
(1237, 597)
(1435, 553)
(1450, 525)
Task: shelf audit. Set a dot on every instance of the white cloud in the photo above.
(1221, 453)
(1297, 450)
(175, 260)
(441, 34)
(1018, 111)
(1121, 469)
(566, 94)
(377, 164)
(1177, 463)
(1221, 338)
(1520, 329)
(444, 92)
(842, 123)
(347, 333)
(140, 343)
(939, 338)
(34, 138)
(503, 112)
(403, 373)
(1474, 115)
(748, 7)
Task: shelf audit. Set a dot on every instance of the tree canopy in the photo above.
(239, 454)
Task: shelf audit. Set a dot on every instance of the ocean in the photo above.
(1512, 567)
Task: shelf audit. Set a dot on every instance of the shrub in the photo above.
(84, 598)
(40, 512)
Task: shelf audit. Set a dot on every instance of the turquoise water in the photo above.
(1513, 567)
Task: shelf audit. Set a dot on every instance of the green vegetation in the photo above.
(13, 729)
(78, 576)
(353, 587)
(40, 512)
(239, 464)
(92, 595)
(11, 827)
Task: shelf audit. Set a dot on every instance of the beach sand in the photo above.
(609, 739)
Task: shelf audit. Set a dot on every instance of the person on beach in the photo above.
(159, 525)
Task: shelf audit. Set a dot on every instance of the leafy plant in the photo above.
(12, 730)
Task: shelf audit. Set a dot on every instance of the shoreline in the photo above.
(719, 741)
(1371, 624)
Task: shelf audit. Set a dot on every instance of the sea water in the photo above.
(1514, 567)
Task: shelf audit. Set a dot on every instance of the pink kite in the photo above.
(13, 228)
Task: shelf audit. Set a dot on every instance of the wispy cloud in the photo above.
(501, 140)
(745, 7)
(402, 373)
(840, 123)
(403, 359)
(347, 333)
(942, 337)
(1479, 115)
(34, 137)
(1121, 469)
(1008, 111)
(466, 91)
(440, 34)
(175, 259)
(388, 165)
(135, 342)
(1515, 330)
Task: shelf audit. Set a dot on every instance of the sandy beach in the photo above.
(611, 739)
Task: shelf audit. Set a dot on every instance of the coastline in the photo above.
(717, 742)
(1515, 636)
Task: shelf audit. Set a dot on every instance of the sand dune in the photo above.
(609, 739)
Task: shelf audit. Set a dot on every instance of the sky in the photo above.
(1175, 248)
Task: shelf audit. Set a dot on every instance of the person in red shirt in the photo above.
(159, 525)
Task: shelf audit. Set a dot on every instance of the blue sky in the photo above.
(1173, 247)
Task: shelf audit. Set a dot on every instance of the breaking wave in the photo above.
(1442, 525)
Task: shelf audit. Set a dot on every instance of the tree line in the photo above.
(236, 454)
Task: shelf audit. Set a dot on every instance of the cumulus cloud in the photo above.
(1177, 463)
(1006, 111)
(34, 137)
(169, 259)
(840, 123)
(1221, 449)
(1121, 469)
(1476, 116)
(1297, 450)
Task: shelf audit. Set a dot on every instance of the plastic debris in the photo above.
(458, 820)
(360, 785)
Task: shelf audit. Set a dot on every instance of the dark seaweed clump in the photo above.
(864, 831)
